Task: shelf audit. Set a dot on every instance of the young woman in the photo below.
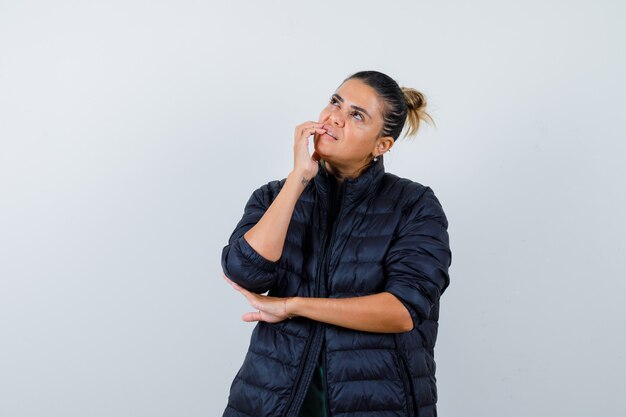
(354, 260)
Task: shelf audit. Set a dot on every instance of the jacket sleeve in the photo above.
(419, 256)
(240, 261)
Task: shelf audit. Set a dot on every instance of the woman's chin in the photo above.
(320, 152)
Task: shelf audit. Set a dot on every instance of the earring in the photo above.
(376, 158)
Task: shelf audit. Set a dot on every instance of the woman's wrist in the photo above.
(290, 307)
(302, 177)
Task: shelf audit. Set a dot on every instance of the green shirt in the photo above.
(314, 404)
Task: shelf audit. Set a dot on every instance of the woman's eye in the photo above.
(334, 101)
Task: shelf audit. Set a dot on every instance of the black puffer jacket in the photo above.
(390, 235)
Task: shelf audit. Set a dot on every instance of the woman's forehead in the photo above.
(356, 93)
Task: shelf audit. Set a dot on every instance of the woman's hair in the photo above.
(399, 103)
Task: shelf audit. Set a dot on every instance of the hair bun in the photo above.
(414, 99)
(416, 113)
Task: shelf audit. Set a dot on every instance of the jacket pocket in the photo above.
(407, 381)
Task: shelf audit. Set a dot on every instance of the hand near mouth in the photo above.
(305, 163)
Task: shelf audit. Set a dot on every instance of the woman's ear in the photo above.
(385, 143)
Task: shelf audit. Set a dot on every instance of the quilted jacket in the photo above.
(391, 235)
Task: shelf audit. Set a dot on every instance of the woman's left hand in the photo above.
(270, 309)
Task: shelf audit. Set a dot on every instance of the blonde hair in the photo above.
(416, 105)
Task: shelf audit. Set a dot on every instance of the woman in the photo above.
(354, 260)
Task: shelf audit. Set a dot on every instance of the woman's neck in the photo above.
(341, 172)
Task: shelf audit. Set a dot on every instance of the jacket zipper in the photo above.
(307, 348)
(408, 384)
(320, 268)
(331, 244)
(294, 391)
(325, 276)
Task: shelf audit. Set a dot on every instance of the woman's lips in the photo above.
(330, 132)
(328, 136)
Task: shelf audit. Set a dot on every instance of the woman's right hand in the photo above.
(304, 163)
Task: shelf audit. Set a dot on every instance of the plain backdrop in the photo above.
(132, 134)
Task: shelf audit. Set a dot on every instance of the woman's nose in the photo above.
(336, 120)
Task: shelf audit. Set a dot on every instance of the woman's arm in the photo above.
(267, 237)
(381, 313)
(251, 256)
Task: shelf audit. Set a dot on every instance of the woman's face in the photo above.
(354, 117)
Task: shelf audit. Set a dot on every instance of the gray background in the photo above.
(133, 132)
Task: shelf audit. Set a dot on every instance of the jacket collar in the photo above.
(355, 189)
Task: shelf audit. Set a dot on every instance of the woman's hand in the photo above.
(304, 163)
(271, 309)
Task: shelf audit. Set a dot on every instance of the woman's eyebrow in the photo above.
(353, 106)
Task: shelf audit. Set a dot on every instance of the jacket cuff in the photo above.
(253, 256)
(409, 307)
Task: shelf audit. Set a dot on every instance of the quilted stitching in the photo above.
(391, 236)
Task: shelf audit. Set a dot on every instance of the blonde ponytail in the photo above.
(416, 104)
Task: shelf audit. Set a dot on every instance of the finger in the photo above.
(252, 316)
(231, 282)
(313, 130)
(227, 279)
(242, 290)
(250, 296)
(311, 123)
